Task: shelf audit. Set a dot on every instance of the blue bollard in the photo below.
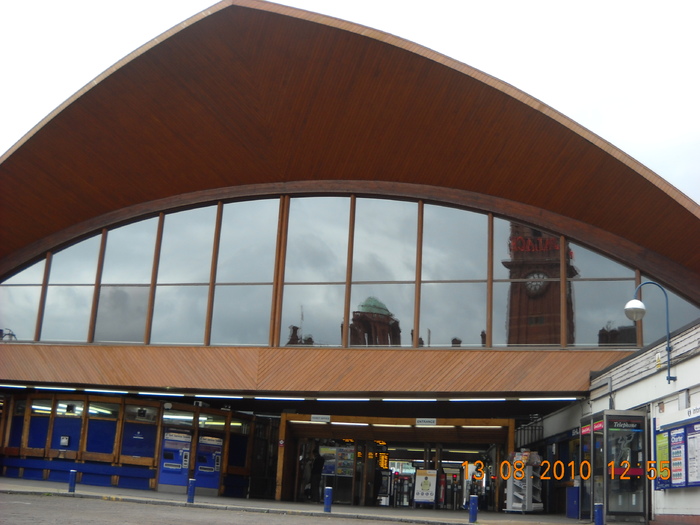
(598, 514)
(190, 490)
(71, 481)
(327, 499)
(473, 508)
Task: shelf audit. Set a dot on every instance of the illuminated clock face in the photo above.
(536, 282)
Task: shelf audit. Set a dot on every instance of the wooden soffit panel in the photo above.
(306, 370)
(251, 93)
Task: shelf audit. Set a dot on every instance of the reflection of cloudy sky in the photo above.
(76, 264)
(129, 253)
(455, 248)
(18, 310)
(317, 243)
(322, 309)
(121, 314)
(241, 315)
(179, 314)
(385, 240)
(248, 242)
(186, 249)
(67, 316)
(454, 244)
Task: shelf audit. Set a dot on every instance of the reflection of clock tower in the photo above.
(534, 302)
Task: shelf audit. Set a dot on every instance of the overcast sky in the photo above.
(625, 69)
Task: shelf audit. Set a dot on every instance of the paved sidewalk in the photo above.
(395, 514)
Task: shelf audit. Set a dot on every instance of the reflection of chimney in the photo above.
(293, 335)
(483, 338)
(456, 342)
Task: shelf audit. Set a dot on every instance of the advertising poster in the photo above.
(662, 454)
(328, 454)
(425, 486)
(345, 461)
(693, 432)
(678, 475)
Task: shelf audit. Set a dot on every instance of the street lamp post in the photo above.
(635, 310)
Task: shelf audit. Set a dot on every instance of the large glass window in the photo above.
(243, 294)
(185, 257)
(680, 311)
(529, 296)
(454, 271)
(315, 271)
(19, 303)
(601, 288)
(70, 292)
(126, 277)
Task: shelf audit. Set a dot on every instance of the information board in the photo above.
(425, 487)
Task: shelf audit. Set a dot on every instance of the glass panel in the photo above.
(179, 314)
(178, 418)
(248, 242)
(129, 253)
(385, 240)
(242, 315)
(680, 312)
(599, 316)
(501, 248)
(20, 407)
(31, 275)
(314, 314)
(67, 313)
(19, 306)
(42, 406)
(186, 249)
(500, 313)
(317, 243)
(77, 264)
(590, 264)
(104, 410)
(240, 426)
(377, 312)
(454, 244)
(212, 421)
(70, 408)
(140, 413)
(121, 314)
(453, 314)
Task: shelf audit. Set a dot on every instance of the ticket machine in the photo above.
(174, 464)
(207, 468)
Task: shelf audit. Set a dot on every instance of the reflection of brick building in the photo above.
(374, 325)
(534, 304)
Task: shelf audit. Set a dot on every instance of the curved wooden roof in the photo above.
(249, 93)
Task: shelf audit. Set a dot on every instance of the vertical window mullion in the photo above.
(42, 297)
(489, 282)
(345, 342)
(563, 287)
(278, 274)
(154, 279)
(419, 269)
(98, 283)
(212, 274)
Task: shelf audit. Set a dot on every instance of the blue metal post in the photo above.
(473, 508)
(327, 499)
(190, 490)
(598, 514)
(71, 480)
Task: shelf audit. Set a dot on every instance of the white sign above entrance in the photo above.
(426, 422)
(320, 418)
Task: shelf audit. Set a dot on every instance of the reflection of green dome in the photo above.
(374, 306)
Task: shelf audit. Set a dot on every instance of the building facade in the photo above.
(270, 232)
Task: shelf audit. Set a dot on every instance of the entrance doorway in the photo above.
(374, 461)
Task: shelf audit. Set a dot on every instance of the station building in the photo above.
(269, 232)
